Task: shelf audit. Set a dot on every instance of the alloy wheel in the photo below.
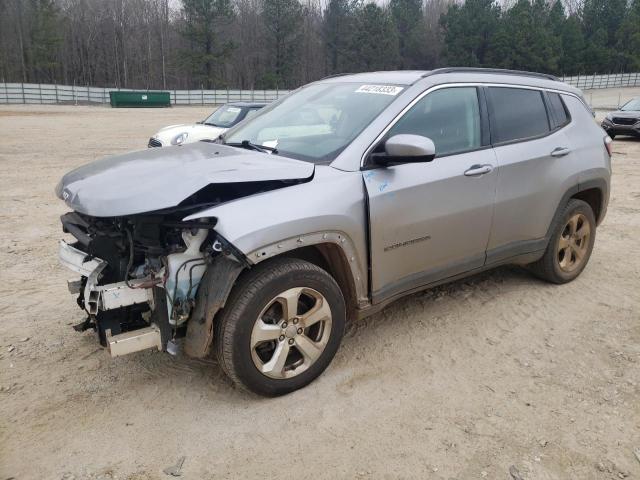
(573, 244)
(291, 333)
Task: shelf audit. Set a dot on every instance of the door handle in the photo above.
(560, 152)
(477, 170)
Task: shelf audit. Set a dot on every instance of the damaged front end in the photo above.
(140, 274)
(147, 276)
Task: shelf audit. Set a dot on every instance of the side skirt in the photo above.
(513, 255)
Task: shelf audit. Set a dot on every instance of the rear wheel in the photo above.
(281, 327)
(570, 246)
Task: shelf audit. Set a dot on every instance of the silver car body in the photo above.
(396, 229)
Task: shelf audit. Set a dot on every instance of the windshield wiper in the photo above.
(252, 146)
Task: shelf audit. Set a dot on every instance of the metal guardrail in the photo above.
(34, 93)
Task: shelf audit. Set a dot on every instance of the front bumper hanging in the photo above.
(110, 297)
(102, 297)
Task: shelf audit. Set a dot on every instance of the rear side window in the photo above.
(518, 114)
(448, 116)
(558, 110)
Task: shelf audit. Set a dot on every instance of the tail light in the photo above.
(608, 144)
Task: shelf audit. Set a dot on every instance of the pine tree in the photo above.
(202, 20)
(408, 19)
(469, 30)
(45, 39)
(375, 42)
(601, 21)
(573, 46)
(338, 27)
(283, 24)
(628, 38)
(525, 39)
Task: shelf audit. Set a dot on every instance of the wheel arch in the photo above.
(331, 258)
(333, 251)
(594, 192)
(594, 196)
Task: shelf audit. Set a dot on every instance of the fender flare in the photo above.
(342, 240)
(597, 183)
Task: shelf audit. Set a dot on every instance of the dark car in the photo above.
(625, 121)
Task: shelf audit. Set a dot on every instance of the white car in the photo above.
(209, 129)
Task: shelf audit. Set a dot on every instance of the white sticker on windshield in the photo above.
(270, 143)
(380, 89)
(233, 109)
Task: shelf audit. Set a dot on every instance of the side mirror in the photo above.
(406, 148)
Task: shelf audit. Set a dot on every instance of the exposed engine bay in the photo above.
(143, 271)
(140, 263)
(147, 272)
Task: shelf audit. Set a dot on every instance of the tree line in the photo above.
(285, 43)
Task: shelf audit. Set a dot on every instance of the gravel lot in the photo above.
(465, 381)
(610, 98)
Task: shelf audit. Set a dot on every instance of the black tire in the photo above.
(548, 267)
(254, 291)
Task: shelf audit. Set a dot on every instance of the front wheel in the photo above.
(281, 326)
(570, 245)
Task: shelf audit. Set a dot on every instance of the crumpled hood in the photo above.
(159, 178)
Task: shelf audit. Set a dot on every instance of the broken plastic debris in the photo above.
(175, 470)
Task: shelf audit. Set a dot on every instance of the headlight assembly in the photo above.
(180, 139)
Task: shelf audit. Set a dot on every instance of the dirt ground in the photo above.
(464, 381)
(610, 98)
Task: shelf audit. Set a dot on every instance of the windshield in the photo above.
(633, 105)
(226, 116)
(317, 122)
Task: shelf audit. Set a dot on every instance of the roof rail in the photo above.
(336, 75)
(438, 71)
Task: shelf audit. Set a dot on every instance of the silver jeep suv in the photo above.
(328, 205)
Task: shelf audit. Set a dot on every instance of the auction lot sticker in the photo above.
(380, 89)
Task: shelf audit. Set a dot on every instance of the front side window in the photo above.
(448, 116)
(517, 114)
(316, 122)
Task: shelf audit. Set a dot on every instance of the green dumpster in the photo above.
(139, 99)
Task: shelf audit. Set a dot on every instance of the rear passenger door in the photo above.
(534, 167)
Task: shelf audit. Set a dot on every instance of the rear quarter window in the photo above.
(517, 114)
(558, 109)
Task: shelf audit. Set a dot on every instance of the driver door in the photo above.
(432, 220)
